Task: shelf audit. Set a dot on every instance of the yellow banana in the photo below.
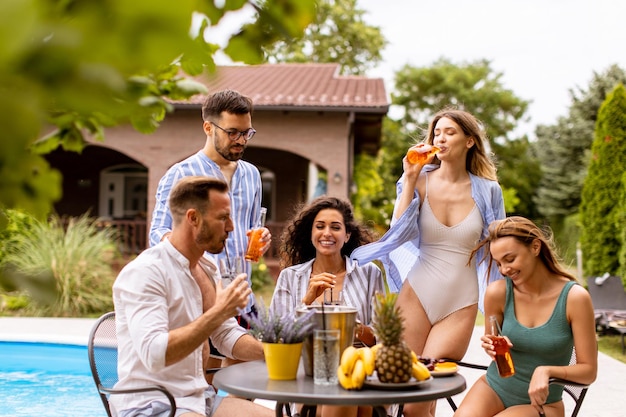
(375, 348)
(344, 380)
(414, 356)
(358, 374)
(348, 358)
(420, 371)
(369, 360)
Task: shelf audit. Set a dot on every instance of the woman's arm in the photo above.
(408, 186)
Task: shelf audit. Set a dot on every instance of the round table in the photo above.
(249, 380)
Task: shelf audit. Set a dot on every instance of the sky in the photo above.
(543, 48)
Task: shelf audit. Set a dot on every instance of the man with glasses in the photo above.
(227, 123)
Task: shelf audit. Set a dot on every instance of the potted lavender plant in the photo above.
(282, 336)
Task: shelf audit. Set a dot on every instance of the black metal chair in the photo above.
(576, 391)
(102, 351)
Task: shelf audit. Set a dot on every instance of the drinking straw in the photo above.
(324, 343)
(230, 269)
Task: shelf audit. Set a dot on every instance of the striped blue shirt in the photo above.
(398, 249)
(245, 194)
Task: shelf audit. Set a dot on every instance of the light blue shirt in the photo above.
(245, 195)
(398, 249)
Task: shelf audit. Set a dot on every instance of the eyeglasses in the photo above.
(234, 134)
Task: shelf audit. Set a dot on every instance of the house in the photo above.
(310, 122)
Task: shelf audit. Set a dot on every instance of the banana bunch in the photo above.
(357, 364)
(419, 370)
(354, 366)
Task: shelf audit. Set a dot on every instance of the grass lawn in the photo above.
(611, 344)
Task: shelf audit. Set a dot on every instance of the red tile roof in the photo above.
(310, 86)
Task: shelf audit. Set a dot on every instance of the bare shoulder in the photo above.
(495, 294)
(579, 295)
(497, 287)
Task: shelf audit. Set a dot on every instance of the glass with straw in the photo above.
(326, 353)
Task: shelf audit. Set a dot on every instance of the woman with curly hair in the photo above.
(315, 253)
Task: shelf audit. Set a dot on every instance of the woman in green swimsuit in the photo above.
(544, 314)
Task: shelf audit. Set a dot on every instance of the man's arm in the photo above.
(161, 221)
(247, 348)
(184, 340)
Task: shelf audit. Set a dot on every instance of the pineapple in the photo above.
(393, 358)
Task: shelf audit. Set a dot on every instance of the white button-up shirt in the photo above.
(153, 294)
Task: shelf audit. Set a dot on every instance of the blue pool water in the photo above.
(48, 380)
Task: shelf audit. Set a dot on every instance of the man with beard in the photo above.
(169, 302)
(228, 128)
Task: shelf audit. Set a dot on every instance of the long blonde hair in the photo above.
(478, 161)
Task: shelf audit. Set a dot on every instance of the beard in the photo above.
(209, 243)
(227, 152)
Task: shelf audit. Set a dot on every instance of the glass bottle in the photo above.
(504, 361)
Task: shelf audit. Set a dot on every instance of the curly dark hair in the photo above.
(297, 248)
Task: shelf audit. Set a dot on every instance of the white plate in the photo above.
(374, 383)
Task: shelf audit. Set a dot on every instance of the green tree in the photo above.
(377, 191)
(600, 208)
(563, 148)
(475, 87)
(69, 69)
(337, 35)
(370, 183)
(621, 228)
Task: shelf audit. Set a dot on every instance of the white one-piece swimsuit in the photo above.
(442, 279)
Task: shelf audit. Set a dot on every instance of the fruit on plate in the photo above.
(420, 371)
(394, 362)
(354, 366)
(445, 367)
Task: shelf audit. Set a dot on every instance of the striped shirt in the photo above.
(359, 286)
(398, 249)
(245, 195)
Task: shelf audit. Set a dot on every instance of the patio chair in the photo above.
(102, 351)
(576, 391)
(609, 299)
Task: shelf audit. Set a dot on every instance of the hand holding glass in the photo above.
(230, 268)
(255, 246)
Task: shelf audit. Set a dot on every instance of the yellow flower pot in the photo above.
(282, 360)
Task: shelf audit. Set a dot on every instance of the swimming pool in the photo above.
(47, 379)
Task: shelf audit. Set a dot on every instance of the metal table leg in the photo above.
(307, 410)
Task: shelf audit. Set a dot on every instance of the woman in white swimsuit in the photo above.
(443, 209)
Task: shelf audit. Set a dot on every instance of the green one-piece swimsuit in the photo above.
(549, 344)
